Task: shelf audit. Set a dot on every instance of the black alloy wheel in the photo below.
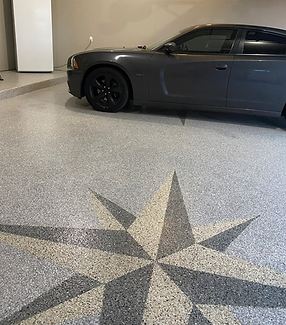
(106, 90)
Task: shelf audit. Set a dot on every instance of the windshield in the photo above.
(167, 40)
(162, 42)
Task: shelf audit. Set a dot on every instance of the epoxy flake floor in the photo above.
(141, 217)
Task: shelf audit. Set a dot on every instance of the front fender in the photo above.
(134, 66)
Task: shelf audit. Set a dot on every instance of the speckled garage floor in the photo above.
(140, 217)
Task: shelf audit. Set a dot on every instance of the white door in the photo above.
(33, 35)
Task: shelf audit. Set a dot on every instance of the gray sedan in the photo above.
(210, 67)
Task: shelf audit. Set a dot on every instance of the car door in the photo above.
(258, 76)
(197, 73)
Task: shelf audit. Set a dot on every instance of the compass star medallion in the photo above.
(153, 269)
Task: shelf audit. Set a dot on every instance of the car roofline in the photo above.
(241, 26)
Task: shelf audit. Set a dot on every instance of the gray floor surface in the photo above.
(56, 151)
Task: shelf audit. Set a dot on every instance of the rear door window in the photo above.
(259, 42)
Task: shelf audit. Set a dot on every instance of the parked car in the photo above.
(213, 67)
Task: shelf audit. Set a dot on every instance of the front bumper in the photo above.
(75, 82)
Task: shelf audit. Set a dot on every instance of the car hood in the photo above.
(113, 50)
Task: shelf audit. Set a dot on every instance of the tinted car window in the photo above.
(208, 41)
(258, 42)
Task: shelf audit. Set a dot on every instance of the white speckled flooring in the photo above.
(139, 217)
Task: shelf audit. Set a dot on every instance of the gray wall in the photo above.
(133, 22)
(7, 56)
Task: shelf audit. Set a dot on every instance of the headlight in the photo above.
(77, 62)
(72, 64)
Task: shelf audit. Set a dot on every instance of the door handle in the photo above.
(221, 66)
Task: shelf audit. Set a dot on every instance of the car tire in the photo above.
(106, 89)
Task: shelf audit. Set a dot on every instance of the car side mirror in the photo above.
(170, 47)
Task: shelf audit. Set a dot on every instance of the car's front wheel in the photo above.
(106, 89)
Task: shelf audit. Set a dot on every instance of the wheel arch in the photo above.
(107, 65)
